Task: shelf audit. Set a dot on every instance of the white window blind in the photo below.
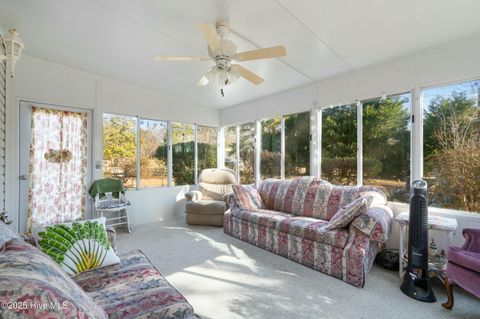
(3, 109)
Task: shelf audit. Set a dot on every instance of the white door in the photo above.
(54, 178)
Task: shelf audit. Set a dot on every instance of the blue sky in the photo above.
(470, 87)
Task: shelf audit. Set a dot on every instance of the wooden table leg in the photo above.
(449, 290)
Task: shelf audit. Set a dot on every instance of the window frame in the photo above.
(169, 149)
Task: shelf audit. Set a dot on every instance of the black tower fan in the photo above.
(416, 280)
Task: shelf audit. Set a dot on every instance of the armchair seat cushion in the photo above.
(464, 258)
(205, 207)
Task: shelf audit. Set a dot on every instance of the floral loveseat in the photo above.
(293, 223)
(32, 285)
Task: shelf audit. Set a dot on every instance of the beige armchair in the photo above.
(206, 206)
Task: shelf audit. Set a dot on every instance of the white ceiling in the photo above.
(117, 38)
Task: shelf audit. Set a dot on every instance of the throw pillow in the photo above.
(247, 197)
(33, 286)
(77, 246)
(345, 215)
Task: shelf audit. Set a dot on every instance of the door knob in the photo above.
(23, 177)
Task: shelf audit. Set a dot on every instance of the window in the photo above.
(297, 145)
(207, 147)
(386, 145)
(230, 136)
(120, 148)
(183, 154)
(247, 153)
(451, 148)
(339, 144)
(270, 156)
(153, 153)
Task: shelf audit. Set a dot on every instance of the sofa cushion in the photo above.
(316, 200)
(262, 217)
(218, 176)
(206, 207)
(214, 191)
(286, 196)
(464, 258)
(247, 197)
(29, 276)
(345, 215)
(77, 246)
(134, 289)
(313, 229)
(215, 182)
(313, 197)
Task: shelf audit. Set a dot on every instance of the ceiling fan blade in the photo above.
(247, 74)
(181, 58)
(273, 52)
(210, 35)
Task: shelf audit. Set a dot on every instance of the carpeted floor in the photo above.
(223, 277)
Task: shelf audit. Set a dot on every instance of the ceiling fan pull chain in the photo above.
(221, 92)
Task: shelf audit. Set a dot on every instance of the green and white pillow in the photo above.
(77, 246)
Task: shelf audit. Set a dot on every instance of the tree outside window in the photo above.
(297, 145)
(153, 153)
(339, 144)
(247, 153)
(207, 147)
(120, 148)
(386, 145)
(230, 136)
(271, 155)
(183, 154)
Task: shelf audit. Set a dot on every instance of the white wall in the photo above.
(448, 63)
(45, 82)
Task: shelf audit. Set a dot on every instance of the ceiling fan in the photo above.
(224, 52)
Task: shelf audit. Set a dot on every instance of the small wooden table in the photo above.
(436, 266)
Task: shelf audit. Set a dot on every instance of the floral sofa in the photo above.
(293, 223)
(32, 285)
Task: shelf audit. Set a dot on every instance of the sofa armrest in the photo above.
(193, 196)
(472, 239)
(375, 223)
(229, 198)
(112, 236)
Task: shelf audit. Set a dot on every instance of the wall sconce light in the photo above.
(13, 48)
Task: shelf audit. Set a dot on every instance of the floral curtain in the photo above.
(58, 166)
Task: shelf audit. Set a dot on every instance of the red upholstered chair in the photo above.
(463, 268)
